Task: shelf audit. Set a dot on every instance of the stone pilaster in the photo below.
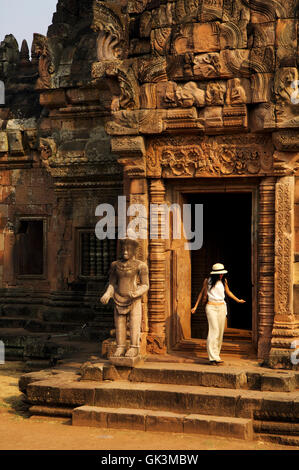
(266, 265)
(157, 295)
(286, 326)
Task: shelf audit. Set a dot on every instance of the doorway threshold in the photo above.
(232, 346)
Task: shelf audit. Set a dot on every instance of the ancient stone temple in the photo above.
(165, 102)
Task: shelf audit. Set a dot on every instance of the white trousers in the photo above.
(216, 315)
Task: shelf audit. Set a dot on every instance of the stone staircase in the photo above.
(252, 403)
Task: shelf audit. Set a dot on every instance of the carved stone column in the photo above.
(286, 326)
(266, 265)
(157, 298)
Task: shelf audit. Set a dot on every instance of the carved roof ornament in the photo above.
(111, 25)
(40, 52)
(267, 10)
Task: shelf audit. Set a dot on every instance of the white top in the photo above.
(217, 293)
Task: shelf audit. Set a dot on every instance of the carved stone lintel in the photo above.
(217, 156)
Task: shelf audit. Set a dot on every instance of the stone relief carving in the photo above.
(112, 40)
(179, 157)
(160, 41)
(121, 81)
(207, 65)
(40, 52)
(47, 151)
(286, 110)
(284, 205)
(263, 11)
(211, 10)
(215, 93)
(235, 92)
(172, 95)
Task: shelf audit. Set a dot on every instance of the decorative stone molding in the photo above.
(284, 245)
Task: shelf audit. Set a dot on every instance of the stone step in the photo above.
(150, 420)
(164, 397)
(280, 439)
(196, 375)
(205, 376)
(276, 427)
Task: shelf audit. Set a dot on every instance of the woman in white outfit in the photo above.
(214, 290)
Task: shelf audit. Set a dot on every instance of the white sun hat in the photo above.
(218, 268)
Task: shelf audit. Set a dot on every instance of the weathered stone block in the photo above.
(53, 99)
(92, 372)
(197, 424)
(126, 419)
(15, 140)
(163, 422)
(83, 416)
(234, 427)
(3, 142)
(81, 95)
(278, 382)
(77, 394)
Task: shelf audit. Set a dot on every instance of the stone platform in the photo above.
(243, 402)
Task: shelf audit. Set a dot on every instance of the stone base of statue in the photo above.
(109, 346)
(124, 361)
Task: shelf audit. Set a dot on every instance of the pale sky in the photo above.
(22, 18)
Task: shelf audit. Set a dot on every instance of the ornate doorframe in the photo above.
(211, 185)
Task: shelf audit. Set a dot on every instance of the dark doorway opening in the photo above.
(227, 239)
(30, 248)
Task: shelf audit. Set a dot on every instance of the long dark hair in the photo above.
(214, 278)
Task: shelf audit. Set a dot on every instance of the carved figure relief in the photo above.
(181, 157)
(286, 107)
(47, 151)
(41, 52)
(207, 65)
(215, 93)
(235, 92)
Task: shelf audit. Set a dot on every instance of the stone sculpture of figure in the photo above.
(128, 281)
(236, 93)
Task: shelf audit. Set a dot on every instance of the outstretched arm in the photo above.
(231, 295)
(201, 296)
